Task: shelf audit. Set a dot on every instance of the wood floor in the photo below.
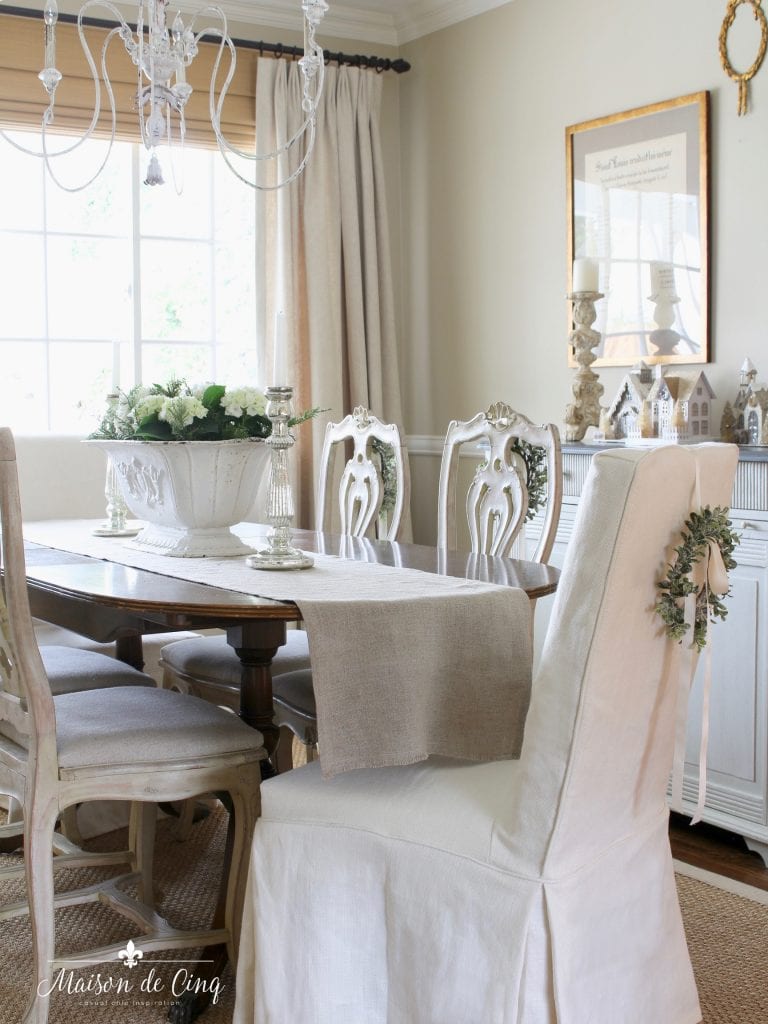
(712, 849)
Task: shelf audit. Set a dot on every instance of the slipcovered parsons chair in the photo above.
(210, 668)
(498, 497)
(132, 743)
(536, 891)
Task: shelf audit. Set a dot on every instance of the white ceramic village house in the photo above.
(745, 420)
(667, 406)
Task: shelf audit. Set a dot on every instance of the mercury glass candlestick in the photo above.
(280, 508)
(584, 411)
(117, 510)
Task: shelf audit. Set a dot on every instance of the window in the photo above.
(120, 283)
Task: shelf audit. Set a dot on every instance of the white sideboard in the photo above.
(737, 759)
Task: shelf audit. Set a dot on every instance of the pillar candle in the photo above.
(280, 354)
(585, 276)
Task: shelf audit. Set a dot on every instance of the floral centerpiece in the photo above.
(177, 411)
(190, 462)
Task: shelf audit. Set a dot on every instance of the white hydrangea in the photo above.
(244, 401)
(181, 411)
(150, 405)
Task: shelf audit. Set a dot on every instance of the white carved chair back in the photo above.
(497, 500)
(361, 487)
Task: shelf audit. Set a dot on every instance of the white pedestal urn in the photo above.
(189, 493)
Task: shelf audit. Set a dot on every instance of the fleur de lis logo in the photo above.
(131, 955)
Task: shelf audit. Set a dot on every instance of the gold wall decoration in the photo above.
(743, 77)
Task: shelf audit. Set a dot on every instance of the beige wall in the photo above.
(483, 270)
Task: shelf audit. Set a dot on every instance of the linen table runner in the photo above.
(405, 663)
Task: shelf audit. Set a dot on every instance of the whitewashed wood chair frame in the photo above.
(497, 499)
(138, 744)
(361, 487)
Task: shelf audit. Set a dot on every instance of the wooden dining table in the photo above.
(107, 601)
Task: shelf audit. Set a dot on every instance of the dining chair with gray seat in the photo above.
(139, 744)
(372, 494)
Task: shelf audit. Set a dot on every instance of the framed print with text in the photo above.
(638, 207)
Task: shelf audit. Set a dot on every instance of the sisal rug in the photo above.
(727, 935)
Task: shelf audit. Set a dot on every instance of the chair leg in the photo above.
(244, 813)
(141, 842)
(69, 826)
(38, 844)
(302, 753)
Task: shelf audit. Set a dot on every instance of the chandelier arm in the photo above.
(48, 116)
(178, 189)
(210, 9)
(216, 107)
(284, 181)
(44, 153)
(108, 87)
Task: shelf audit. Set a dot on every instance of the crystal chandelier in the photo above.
(162, 56)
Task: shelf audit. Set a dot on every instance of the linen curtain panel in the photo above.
(323, 262)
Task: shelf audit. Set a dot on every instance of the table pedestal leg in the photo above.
(130, 650)
(256, 646)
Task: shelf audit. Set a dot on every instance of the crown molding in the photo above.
(341, 22)
(400, 23)
(426, 16)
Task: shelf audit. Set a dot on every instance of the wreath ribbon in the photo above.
(709, 575)
(688, 663)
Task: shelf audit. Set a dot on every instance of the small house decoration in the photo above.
(672, 407)
(745, 420)
(625, 414)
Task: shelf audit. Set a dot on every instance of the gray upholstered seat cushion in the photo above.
(210, 658)
(293, 691)
(71, 669)
(136, 726)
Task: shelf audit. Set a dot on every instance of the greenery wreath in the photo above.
(702, 529)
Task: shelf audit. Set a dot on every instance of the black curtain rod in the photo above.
(278, 49)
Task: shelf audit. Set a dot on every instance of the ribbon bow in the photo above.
(708, 575)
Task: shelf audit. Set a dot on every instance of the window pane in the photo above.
(22, 205)
(82, 374)
(88, 287)
(104, 207)
(166, 214)
(25, 384)
(235, 290)
(237, 366)
(175, 289)
(192, 363)
(23, 286)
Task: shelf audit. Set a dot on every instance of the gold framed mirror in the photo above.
(638, 206)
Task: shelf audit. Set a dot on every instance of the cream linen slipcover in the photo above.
(519, 892)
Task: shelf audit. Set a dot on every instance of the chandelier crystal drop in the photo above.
(162, 56)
